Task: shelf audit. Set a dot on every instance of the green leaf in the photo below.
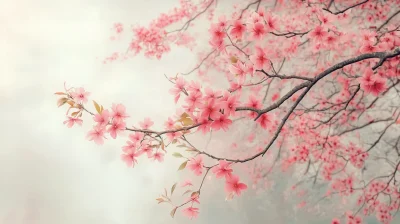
(177, 155)
(181, 146)
(183, 165)
(173, 188)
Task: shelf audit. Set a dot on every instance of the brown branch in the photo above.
(186, 25)
(387, 21)
(344, 10)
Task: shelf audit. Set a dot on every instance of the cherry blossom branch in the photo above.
(387, 21)
(364, 125)
(159, 133)
(186, 25)
(308, 85)
(200, 64)
(344, 10)
(285, 76)
(248, 6)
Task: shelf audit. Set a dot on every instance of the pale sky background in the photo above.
(51, 174)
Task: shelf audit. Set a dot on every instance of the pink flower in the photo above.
(136, 137)
(103, 118)
(119, 112)
(232, 185)
(271, 21)
(146, 124)
(230, 104)
(318, 33)
(179, 87)
(194, 99)
(97, 135)
(191, 212)
(115, 128)
(146, 149)
(217, 32)
(335, 221)
(169, 124)
(196, 165)
(223, 169)
(371, 83)
(158, 156)
(72, 120)
(80, 95)
(129, 157)
(194, 198)
(240, 70)
(264, 120)
(173, 135)
(186, 183)
(211, 109)
(259, 59)
(238, 29)
(257, 30)
(221, 122)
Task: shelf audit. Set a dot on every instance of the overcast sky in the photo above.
(51, 174)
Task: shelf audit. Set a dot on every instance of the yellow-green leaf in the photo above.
(173, 188)
(173, 212)
(174, 141)
(97, 106)
(177, 155)
(101, 109)
(182, 166)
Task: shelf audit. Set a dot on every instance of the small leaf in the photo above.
(173, 188)
(233, 59)
(194, 194)
(181, 146)
(182, 166)
(191, 150)
(173, 212)
(96, 105)
(62, 101)
(186, 120)
(163, 146)
(187, 191)
(71, 103)
(174, 141)
(74, 114)
(160, 200)
(177, 155)
(60, 93)
(166, 193)
(101, 109)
